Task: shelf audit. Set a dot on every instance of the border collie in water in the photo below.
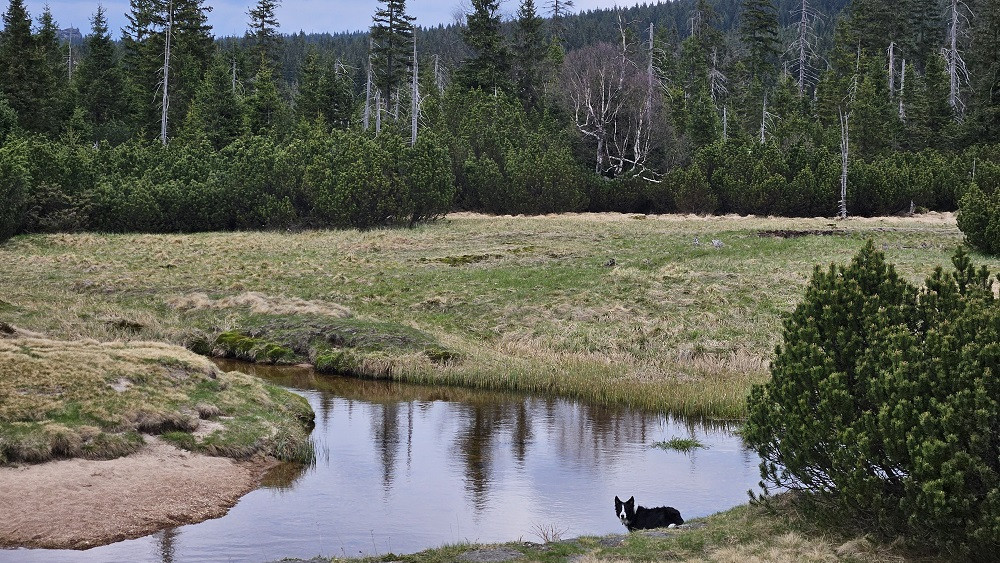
(642, 518)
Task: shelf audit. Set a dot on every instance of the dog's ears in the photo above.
(618, 500)
(630, 500)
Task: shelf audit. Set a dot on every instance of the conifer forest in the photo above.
(766, 107)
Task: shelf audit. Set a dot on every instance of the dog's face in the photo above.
(625, 510)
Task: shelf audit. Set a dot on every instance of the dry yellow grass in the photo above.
(526, 302)
(259, 303)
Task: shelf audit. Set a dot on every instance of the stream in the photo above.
(402, 468)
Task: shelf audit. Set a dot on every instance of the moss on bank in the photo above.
(342, 346)
(90, 399)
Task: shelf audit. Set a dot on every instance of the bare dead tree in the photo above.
(766, 121)
(804, 45)
(368, 88)
(165, 101)
(957, 71)
(892, 68)
(844, 152)
(649, 69)
(695, 21)
(716, 79)
(852, 90)
(725, 123)
(612, 106)
(69, 59)
(902, 86)
(414, 97)
(438, 74)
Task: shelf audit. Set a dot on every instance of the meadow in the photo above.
(672, 313)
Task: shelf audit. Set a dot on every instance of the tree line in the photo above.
(791, 107)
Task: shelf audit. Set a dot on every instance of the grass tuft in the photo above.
(679, 444)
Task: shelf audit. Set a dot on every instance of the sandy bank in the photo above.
(81, 503)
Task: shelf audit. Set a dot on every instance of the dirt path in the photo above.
(82, 503)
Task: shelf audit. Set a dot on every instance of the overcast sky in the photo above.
(229, 17)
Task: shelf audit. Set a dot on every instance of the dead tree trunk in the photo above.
(957, 71)
(844, 152)
(368, 90)
(892, 69)
(415, 97)
(804, 44)
(725, 123)
(165, 102)
(765, 118)
(902, 87)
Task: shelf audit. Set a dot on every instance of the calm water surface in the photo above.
(402, 468)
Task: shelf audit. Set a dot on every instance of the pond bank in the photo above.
(78, 503)
(101, 442)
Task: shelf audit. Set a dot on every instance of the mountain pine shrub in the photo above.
(884, 403)
(979, 219)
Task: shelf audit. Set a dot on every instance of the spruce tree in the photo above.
(872, 116)
(926, 30)
(558, 10)
(759, 32)
(392, 48)
(20, 67)
(940, 114)
(266, 113)
(263, 30)
(985, 62)
(489, 67)
(53, 79)
(529, 56)
(192, 49)
(142, 63)
(916, 109)
(325, 91)
(144, 40)
(310, 100)
(876, 23)
(99, 80)
(216, 114)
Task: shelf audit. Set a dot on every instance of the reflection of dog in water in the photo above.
(643, 518)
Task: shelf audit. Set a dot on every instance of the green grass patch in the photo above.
(679, 444)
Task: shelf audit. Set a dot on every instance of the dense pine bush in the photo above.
(883, 403)
(979, 219)
(319, 178)
(15, 182)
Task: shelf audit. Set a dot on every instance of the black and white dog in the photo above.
(643, 518)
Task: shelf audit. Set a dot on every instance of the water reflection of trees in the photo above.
(386, 427)
(166, 541)
(582, 434)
